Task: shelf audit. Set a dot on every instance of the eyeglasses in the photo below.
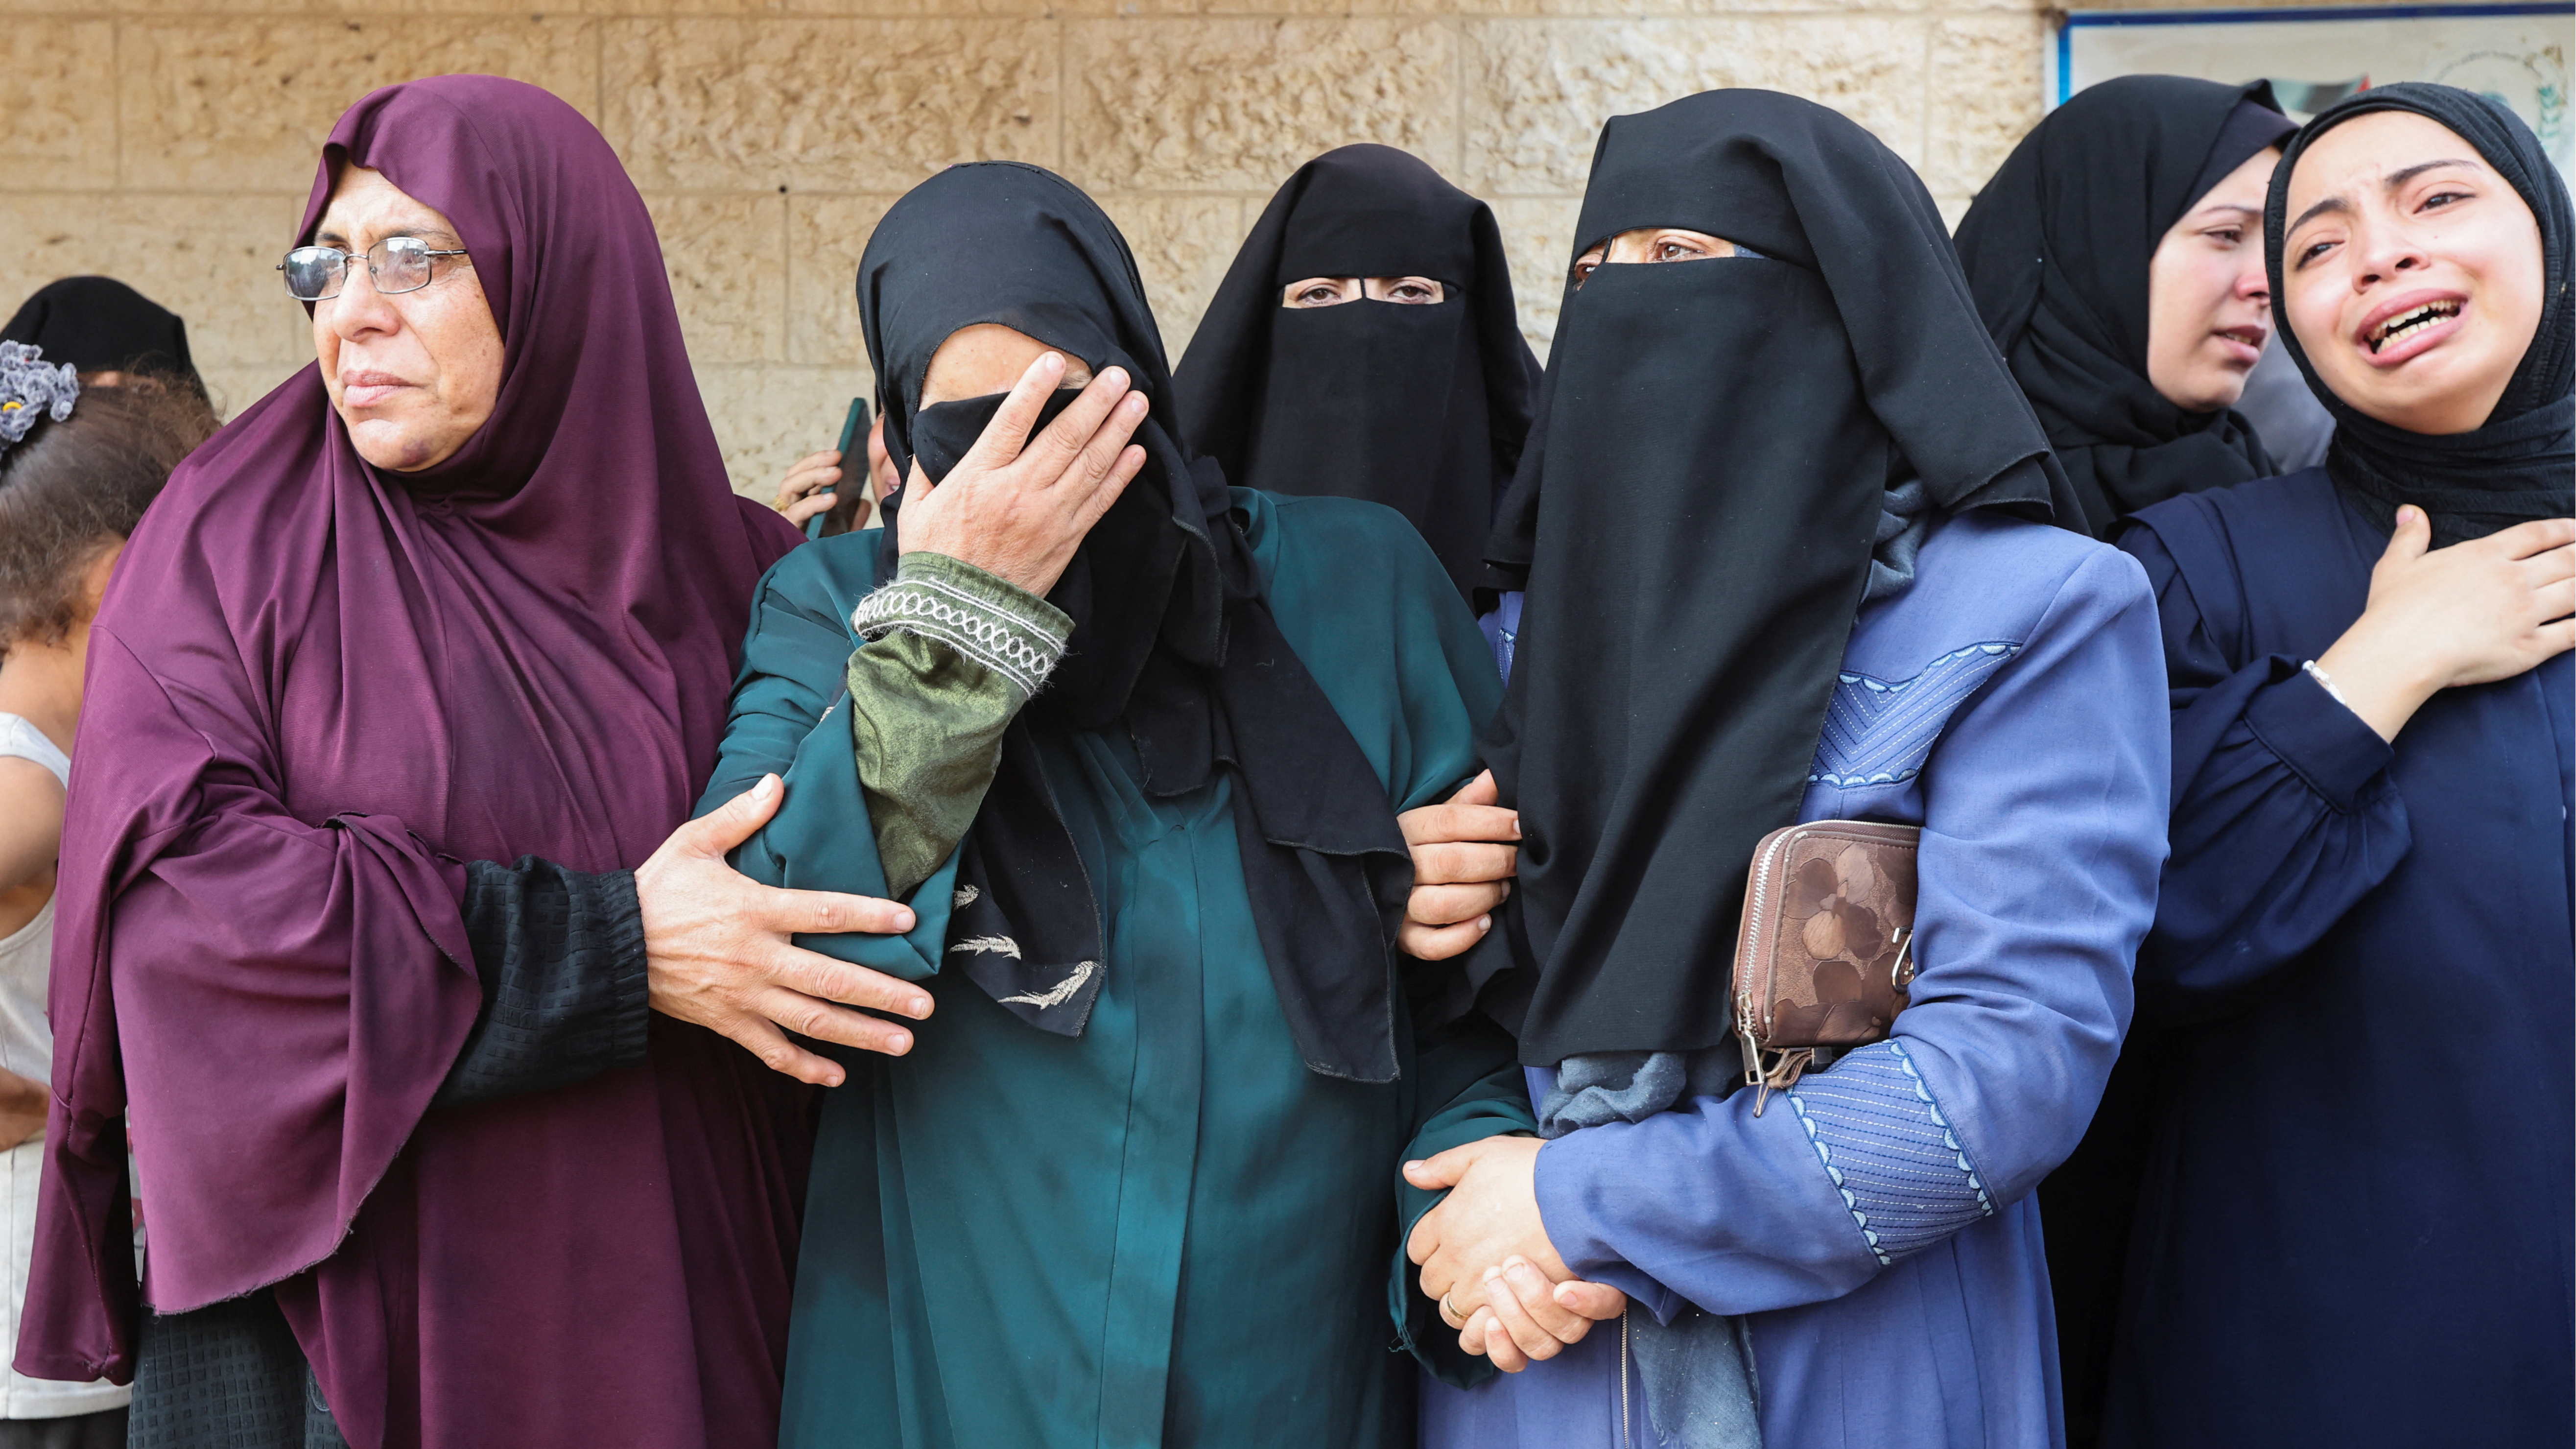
(397, 264)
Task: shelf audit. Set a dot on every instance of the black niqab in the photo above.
(1693, 523)
(1172, 640)
(99, 324)
(1421, 407)
(2057, 249)
(2521, 463)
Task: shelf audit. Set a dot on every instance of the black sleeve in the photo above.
(561, 954)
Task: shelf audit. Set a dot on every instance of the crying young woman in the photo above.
(2372, 689)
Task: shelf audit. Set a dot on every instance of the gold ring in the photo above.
(1449, 1315)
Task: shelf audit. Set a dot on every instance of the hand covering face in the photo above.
(1421, 407)
(1693, 523)
(1173, 643)
(315, 689)
(2518, 465)
(2057, 249)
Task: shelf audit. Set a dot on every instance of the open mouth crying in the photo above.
(2407, 323)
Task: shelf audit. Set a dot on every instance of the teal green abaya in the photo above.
(1166, 1231)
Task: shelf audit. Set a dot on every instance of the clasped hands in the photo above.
(1486, 1257)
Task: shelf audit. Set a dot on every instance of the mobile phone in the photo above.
(854, 474)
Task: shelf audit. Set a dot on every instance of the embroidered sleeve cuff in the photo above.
(1889, 1150)
(1003, 627)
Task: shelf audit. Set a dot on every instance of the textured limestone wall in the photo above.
(171, 142)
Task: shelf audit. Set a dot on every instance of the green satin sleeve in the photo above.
(952, 653)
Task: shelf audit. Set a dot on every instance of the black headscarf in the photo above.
(2057, 248)
(1421, 407)
(2521, 463)
(99, 324)
(1172, 638)
(1693, 523)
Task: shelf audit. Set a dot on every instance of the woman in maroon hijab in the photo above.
(419, 1164)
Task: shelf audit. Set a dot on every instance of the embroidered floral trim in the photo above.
(1022, 647)
(1058, 994)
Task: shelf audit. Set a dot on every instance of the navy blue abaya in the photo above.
(2355, 1228)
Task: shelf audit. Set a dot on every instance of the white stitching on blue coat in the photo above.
(1879, 732)
(1902, 1173)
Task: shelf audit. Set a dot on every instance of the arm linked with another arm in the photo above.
(950, 655)
(2044, 825)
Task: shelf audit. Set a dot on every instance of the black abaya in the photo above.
(1714, 570)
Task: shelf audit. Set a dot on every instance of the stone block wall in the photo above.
(171, 142)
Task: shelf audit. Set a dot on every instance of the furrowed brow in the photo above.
(2400, 178)
(2329, 204)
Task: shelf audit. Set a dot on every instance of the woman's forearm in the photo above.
(2377, 677)
(952, 655)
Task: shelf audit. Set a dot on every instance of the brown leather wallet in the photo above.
(1826, 955)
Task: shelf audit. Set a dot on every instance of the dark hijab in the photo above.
(99, 324)
(1693, 523)
(1421, 407)
(2057, 249)
(315, 688)
(1173, 644)
(2521, 463)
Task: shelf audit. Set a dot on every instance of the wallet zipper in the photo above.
(1746, 1009)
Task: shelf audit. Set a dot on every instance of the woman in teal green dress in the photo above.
(1134, 746)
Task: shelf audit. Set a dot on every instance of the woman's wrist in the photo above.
(2378, 676)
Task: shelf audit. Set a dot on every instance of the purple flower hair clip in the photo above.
(31, 389)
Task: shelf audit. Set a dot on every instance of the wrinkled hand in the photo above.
(1017, 507)
(1486, 1257)
(2438, 618)
(808, 488)
(1464, 856)
(718, 954)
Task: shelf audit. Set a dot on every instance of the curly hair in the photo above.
(78, 486)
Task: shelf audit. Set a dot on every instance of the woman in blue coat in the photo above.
(2355, 1226)
(1782, 544)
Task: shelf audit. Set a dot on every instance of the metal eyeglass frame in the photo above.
(429, 256)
